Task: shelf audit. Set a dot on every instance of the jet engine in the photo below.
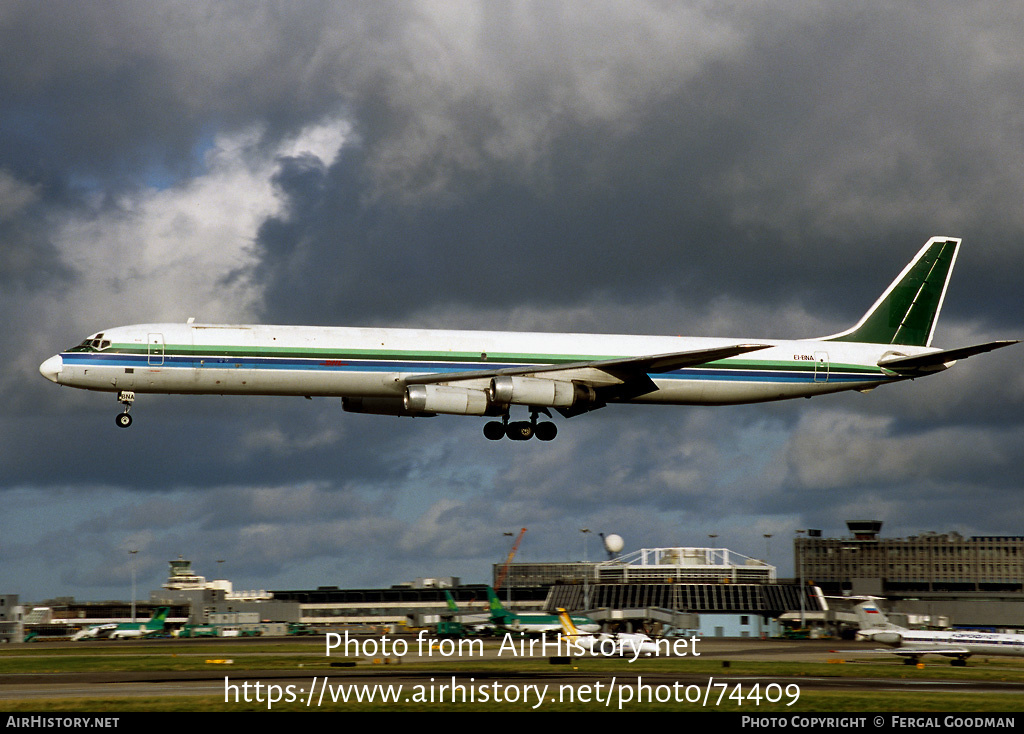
(446, 399)
(883, 637)
(514, 390)
(381, 406)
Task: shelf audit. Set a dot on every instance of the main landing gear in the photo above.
(521, 430)
(126, 398)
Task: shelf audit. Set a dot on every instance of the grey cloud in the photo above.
(832, 449)
(727, 164)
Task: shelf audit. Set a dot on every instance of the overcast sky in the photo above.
(736, 169)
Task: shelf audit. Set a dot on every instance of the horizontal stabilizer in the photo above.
(934, 361)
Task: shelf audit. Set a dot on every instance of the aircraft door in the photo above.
(155, 349)
(821, 366)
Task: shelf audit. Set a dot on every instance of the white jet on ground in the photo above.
(912, 644)
(625, 644)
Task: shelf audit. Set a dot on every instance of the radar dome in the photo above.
(614, 543)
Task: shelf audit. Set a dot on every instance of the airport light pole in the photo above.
(508, 587)
(586, 570)
(800, 561)
(133, 553)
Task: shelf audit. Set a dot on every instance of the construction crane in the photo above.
(511, 554)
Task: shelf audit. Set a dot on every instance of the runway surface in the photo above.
(212, 681)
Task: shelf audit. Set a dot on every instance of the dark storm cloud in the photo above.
(820, 155)
(114, 92)
(28, 258)
(186, 444)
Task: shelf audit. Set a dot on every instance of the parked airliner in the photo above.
(627, 644)
(125, 630)
(912, 644)
(423, 372)
(532, 622)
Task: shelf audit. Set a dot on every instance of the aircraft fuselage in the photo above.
(974, 643)
(377, 363)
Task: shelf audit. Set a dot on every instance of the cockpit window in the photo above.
(94, 343)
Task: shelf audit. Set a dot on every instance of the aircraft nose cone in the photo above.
(50, 369)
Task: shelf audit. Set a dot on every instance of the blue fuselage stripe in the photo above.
(172, 361)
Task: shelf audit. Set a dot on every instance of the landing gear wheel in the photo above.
(520, 431)
(546, 431)
(494, 430)
(126, 398)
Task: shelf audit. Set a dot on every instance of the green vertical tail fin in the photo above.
(909, 309)
(498, 610)
(452, 606)
(158, 618)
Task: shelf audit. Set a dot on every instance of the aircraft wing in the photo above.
(938, 360)
(621, 368)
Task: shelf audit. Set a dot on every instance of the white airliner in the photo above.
(532, 622)
(125, 630)
(423, 372)
(912, 644)
(628, 644)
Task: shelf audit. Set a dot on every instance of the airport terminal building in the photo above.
(934, 578)
(703, 591)
(711, 592)
(931, 579)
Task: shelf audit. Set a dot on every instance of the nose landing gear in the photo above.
(521, 430)
(126, 398)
